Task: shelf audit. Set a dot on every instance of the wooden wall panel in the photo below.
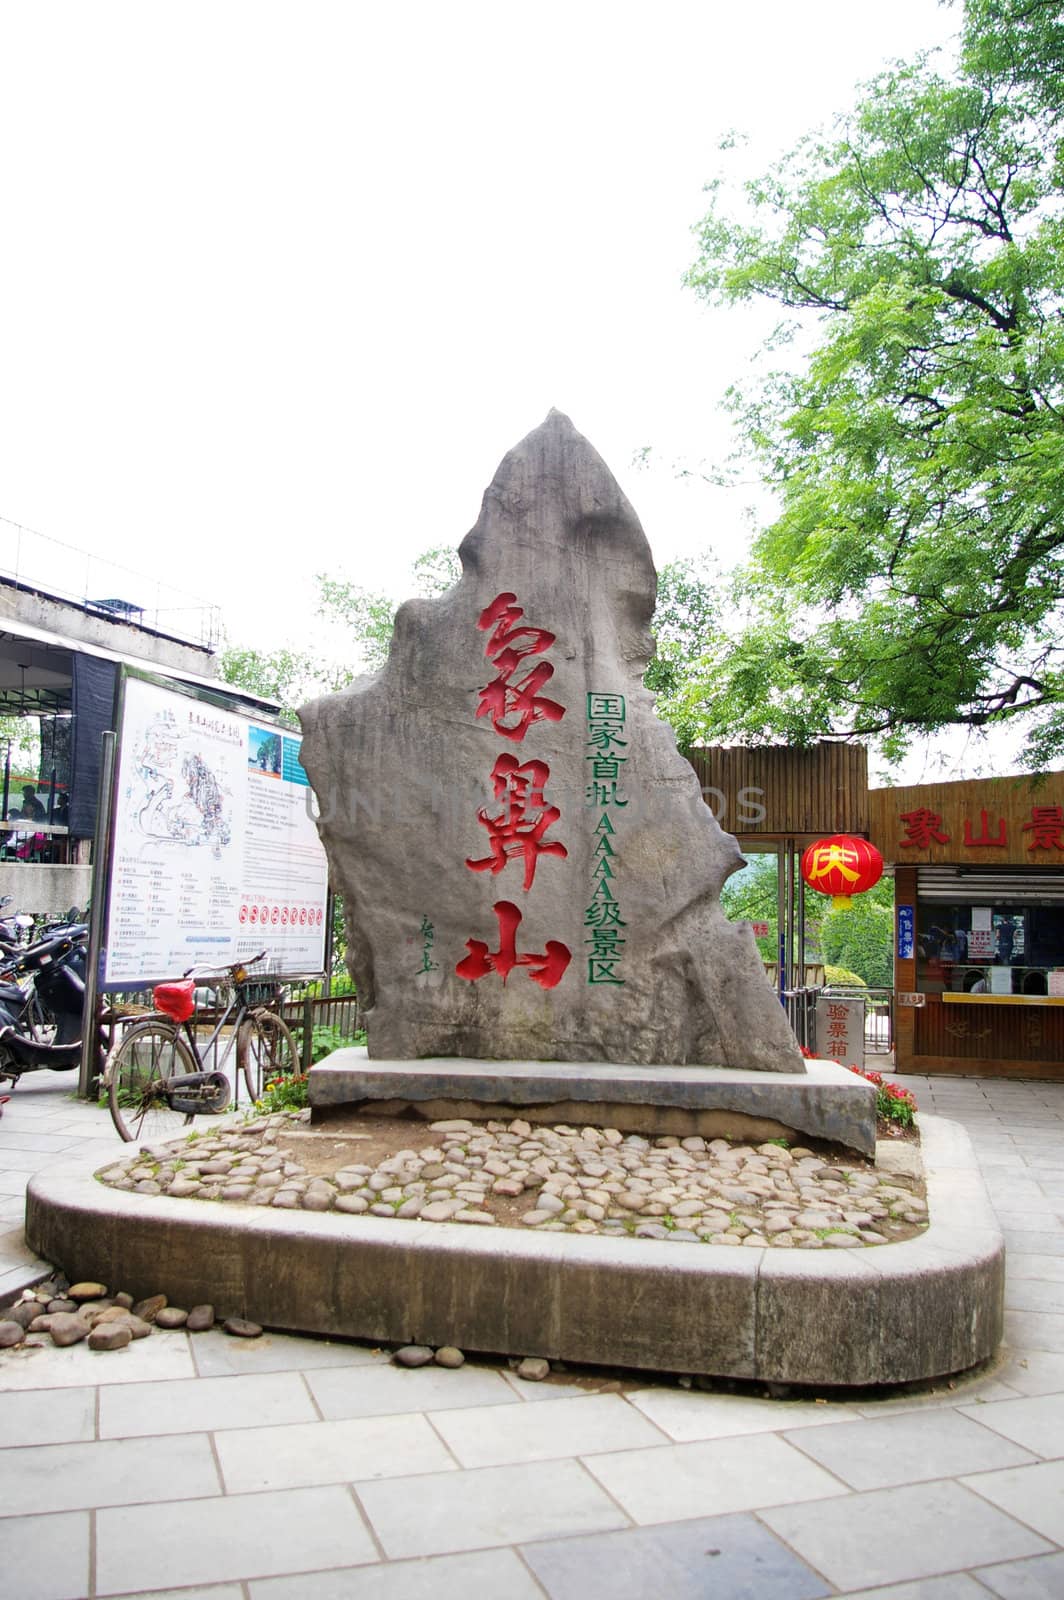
(821, 790)
(1007, 802)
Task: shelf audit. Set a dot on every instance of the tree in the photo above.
(686, 623)
(914, 576)
(861, 938)
(294, 676)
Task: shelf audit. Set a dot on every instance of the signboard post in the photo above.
(215, 853)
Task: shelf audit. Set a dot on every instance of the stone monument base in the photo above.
(825, 1102)
(886, 1314)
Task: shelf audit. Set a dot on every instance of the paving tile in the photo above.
(65, 1416)
(977, 1392)
(202, 1405)
(727, 1556)
(15, 1279)
(35, 1143)
(68, 1477)
(1027, 1294)
(12, 1181)
(39, 1365)
(14, 1251)
(880, 1452)
(563, 1385)
(1036, 1423)
(1038, 1578)
(1028, 1240)
(1035, 1330)
(711, 1477)
(229, 1538)
(1034, 1372)
(1020, 1265)
(486, 1436)
(46, 1558)
(362, 1392)
(216, 1355)
(954, 1587)
(1033, 1494)
(481, 1575)
(894, 1535)
(687, 1414)
(494, 1506)
(30, 1161)
(308, 1453)
(216, 1591)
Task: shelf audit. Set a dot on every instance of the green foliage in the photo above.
(893, 1104)
(843, 978)
(861, 939)
(686, 622)
(287, 1093)
(750, 896)
(324, 1039)
(914, 576)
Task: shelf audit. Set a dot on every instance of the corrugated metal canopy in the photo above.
(978, 886)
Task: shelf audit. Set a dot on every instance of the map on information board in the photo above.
(215, 853)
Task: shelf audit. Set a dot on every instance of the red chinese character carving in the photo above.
(920, 828)
(514, 706)
(1046, 828)
(547, 969)
(519, 828)
(984, 837)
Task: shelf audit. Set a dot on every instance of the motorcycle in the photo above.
(42, 998)
(14, 928)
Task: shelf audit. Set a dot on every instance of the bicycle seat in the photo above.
(175, 1000)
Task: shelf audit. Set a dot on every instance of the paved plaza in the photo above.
(280, 1468)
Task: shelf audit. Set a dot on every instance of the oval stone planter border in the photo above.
(885, 1314)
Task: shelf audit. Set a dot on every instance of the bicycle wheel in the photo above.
(265, 1050)
(148, 1054)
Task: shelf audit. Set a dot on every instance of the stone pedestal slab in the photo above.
(826, 1102)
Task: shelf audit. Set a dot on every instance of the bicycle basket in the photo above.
(175, 1000)
(263, 993)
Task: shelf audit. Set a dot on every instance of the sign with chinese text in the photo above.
(906, 932)
(984, 821)
(215, 854)
(840, 1029)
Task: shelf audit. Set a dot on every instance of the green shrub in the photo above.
(325, 1037)
(843, 976)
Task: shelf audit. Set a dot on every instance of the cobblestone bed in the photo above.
(553, 1179)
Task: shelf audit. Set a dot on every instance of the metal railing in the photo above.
(879, 1015)
(303, 1015)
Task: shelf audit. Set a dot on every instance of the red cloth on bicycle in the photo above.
(176, 1000)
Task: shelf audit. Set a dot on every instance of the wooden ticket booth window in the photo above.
(979, 924)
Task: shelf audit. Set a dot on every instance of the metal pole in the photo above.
(801, 920)
(7, 779)
(330, 913)
(101, 869)
(781, 921)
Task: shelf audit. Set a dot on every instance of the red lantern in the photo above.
(841, 867)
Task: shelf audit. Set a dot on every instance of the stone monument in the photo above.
(528, 868)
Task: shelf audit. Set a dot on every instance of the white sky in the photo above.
(280, 284)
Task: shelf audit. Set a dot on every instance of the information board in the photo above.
(215, 854)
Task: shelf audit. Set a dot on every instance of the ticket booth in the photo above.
(979, 924)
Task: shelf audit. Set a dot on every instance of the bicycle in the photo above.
(158, 1067)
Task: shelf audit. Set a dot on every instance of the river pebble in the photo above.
(556, 1179)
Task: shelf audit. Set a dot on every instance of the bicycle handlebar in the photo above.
(231, 972)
